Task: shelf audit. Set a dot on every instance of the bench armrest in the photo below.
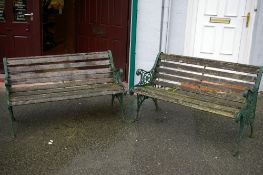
(146, 77)
(117, 75)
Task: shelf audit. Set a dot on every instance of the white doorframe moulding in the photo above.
(165, 27)
(190, 27)
(246, 41)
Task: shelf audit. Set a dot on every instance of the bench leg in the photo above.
(252, 132)
(251, 124)
(120, 99)
(11, 120)
(156, 104)
(112, 99)
(10, 108)
(140, 100)
(241, 132)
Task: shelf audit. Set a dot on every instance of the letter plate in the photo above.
(220, 20)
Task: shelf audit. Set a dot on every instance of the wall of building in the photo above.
(148, 34)
(177, 26)
(257, 46)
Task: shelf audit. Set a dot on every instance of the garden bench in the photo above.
(39, 79)
(223, 88)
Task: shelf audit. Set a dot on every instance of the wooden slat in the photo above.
(204, 91)
(211, 63)
(35, 75)
(48, 94)
(204, 78)
(64, 89)
(217, 87)
(64, 97)
(196, 96)
(188, 99)
(48, 67)
(55, 59)
(69, 92)
(59, 84)
(60, 55)
(209, 71)
(204, 106)
(65, 78)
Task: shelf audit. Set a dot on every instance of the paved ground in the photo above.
(89, 138)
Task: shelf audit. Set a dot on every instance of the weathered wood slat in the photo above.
(48, 94)
(204, 78)
(65, 89)
(209, 71)
(34, 75)
(205, 92)
(60, 78)
(213, 108)
(64, 97)
(55, 59)
(59, 84)
(213, 86)
(211, 63)
(195, 96)
(188, 99)
(61, 55)
(48, 67)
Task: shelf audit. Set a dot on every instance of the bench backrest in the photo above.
(202, 75)
(59, 70)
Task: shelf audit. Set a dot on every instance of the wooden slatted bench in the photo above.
(40, 79)
(223, 88)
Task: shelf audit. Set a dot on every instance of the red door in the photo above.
(19, 28)
(104, 25)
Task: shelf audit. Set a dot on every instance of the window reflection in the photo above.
(2, 10)
(19, 9)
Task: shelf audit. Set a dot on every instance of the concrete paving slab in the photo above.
(89, 137)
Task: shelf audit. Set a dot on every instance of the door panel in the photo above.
(232, 8)
(228, 39)
(21, 29)
(103, 25)
(20, 43)
(3, 52)
(211, 7)
(218, 38)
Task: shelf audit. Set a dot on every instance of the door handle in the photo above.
(247, 19)
(29, 15)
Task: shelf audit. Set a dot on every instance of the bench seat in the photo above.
(63, 93)
(193, 100)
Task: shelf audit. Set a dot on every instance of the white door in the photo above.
(219, 28)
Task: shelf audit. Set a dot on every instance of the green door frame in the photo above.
(133, 43)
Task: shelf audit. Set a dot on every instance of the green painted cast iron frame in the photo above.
(246, 116)
(146, 79)
(117, 75)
